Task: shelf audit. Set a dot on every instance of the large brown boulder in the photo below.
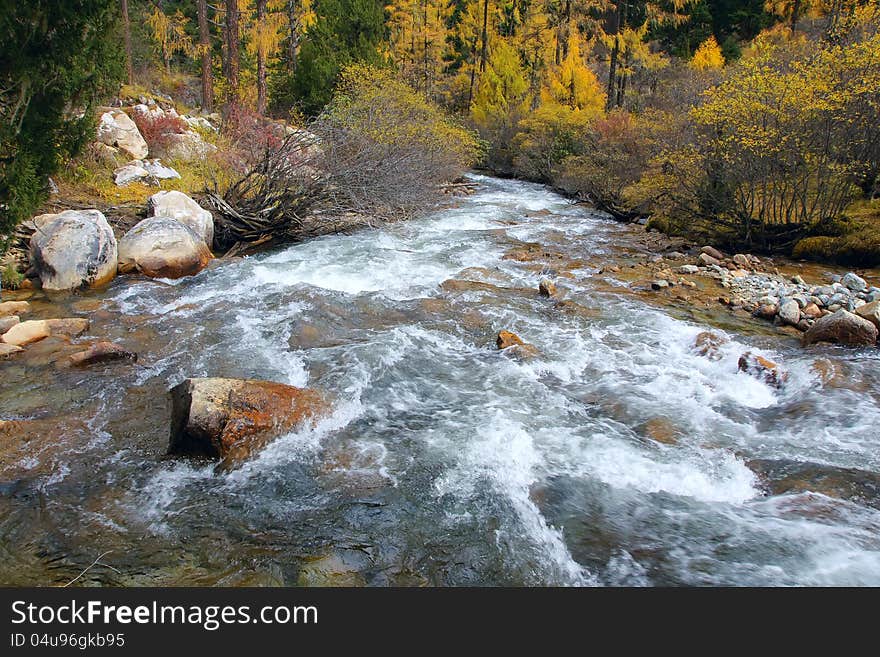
(842, 327)
(73, 249)
(230, 419)
(871, 312)
(162, 247)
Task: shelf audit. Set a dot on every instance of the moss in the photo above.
(660, 224)
(853, 240)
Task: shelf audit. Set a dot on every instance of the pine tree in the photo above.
(56, 60)
(344, 31)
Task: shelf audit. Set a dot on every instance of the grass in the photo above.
(10, 277)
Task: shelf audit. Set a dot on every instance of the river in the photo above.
(444, 461)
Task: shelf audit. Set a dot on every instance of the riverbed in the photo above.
(618, 455)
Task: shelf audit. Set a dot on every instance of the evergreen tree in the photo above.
(345, 31)
(56, 59)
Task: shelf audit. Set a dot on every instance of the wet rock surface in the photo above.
(231, 419)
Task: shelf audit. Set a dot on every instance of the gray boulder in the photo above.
(182, 208)
(116, 129)
(73, 249)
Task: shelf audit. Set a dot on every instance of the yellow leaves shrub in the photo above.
(708, 56)
(371, 102)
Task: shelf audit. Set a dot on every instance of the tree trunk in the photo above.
(126, 24)
(620, 20)
(473, 73)
(565, 29)
(795, 10)
(261, 62)
(485, 35)
(293, 43)
(425, 42)
(232, 59)
(205, 47)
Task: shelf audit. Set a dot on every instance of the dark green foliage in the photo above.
(56, 59)
(346, 31)
(729, 21)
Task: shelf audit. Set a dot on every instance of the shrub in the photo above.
(156, 127)
(785, 141)
(379, 150)
(10, 277)
(613, 159)
(385, 147)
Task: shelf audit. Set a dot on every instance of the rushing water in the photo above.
(444, 462)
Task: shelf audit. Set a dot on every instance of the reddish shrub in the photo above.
(251, 134)
(155, 128)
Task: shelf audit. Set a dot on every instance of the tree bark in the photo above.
(485, 35)
(232, 57)
(261, 62)
(126, 24)
(566, 30)
(795, 10)
(205, 46)
(293, 42)
(620, 20)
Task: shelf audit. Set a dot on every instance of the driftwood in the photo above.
(329, 179)
(272, 199)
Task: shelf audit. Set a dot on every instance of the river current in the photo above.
(445, 461)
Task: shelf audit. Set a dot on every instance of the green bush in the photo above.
(56, 59)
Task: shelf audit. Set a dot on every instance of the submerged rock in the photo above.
(762, 369)
(547, 288)
(101, 352)
(781, 477)
(708, 344)
(70, 327)
(661, 430)
(842, 327)
(230, 419)
(73, 249)
(161, 247)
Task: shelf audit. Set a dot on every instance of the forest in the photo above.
(746, 122)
